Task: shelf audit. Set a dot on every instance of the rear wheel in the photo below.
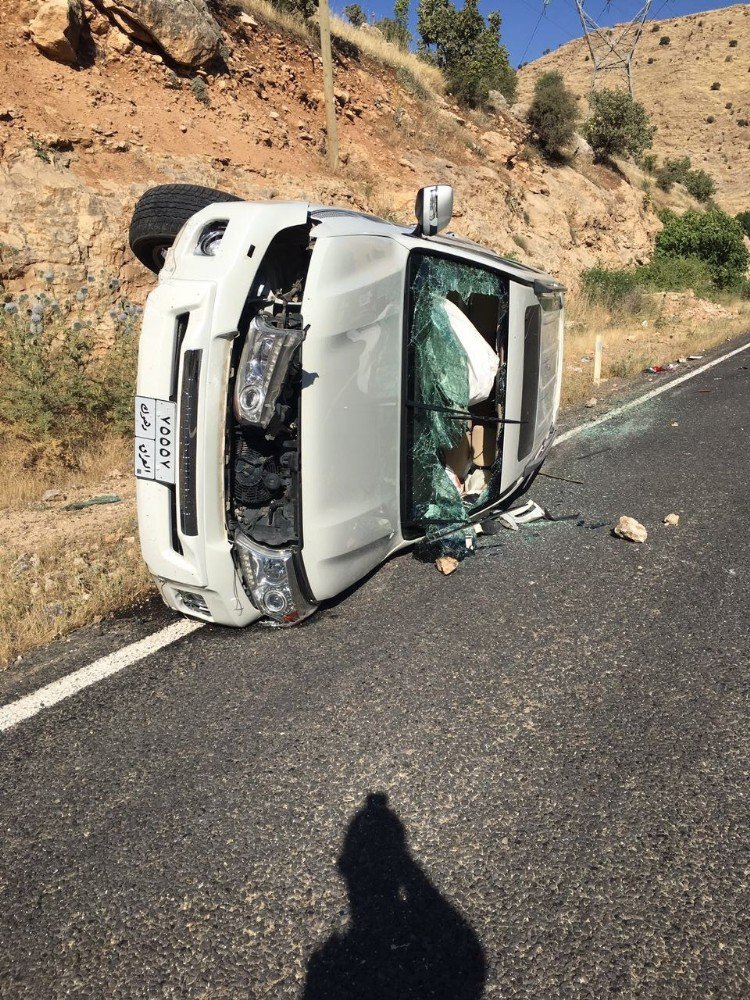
(161, 213)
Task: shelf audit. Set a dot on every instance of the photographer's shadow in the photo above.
(405, 940)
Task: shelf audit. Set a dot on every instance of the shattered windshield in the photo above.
(439, 391)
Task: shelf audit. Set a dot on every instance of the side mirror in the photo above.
(434, 208)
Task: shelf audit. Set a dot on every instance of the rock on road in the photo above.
(529, 779)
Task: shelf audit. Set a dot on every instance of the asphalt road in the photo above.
(529, 779)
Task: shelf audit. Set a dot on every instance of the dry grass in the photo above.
(61, 569)
(66, 587)
(38, 467)
(629, 346)
(376, 47)
(371, 43)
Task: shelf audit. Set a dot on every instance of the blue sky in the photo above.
(559, 23)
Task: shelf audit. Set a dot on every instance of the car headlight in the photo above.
(271, 578)
(262, 369)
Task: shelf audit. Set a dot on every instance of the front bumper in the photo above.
(194, 313)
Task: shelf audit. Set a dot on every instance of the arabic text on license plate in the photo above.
(155, 421)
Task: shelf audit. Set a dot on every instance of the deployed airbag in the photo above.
(482, 360)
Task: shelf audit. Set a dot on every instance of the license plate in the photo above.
(155, 430)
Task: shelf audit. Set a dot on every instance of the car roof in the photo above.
(346, 222)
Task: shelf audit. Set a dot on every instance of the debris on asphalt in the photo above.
(630, 529)
(446, 565)
(528, 512)
(561, 479)
(674, 424)
(81, 504)
(50, 496)
(590, 454)
(672, 519)
(695, 357)
(660, 369)
(591, 402)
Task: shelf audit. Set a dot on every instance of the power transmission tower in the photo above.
(610, 52)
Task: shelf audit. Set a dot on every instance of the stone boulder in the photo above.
(580, 148)
(496, 101)
(520, 111)
(183, 29)
(56, 29)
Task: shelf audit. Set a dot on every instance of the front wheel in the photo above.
(161, 213)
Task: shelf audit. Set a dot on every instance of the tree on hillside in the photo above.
(744, 220)
(553, 112)
(678, 170)
(306, 8)
(618, 125)
(713, 237)
(355, 15)
(467, 48)
(673, 171)
(700, 185)
(396, 29)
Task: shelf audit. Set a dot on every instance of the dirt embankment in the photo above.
(79, 143)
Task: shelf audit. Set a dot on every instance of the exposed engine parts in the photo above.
(264, 460)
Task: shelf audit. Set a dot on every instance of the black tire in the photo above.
(161, 213)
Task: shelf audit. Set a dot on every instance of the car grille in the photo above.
(188, 442)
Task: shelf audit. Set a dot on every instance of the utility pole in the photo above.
(332, 141)
(609, 51)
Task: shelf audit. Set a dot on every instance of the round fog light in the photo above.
(274, 602)
(249, 398)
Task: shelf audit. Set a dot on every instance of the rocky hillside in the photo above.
(102, 98)
(693, 76)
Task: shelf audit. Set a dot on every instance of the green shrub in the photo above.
(304, 8)
(553, 113)
(467, 48)
(672, 171)
(677, 274)
(714, 237)
(618, 125)
(665, 40)
(648, 162)
(716, 85)
(625, 286)
(744, 220)
(609, 286)
(53, 383)
(700, 185)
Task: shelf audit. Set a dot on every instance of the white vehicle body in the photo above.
(350, 422)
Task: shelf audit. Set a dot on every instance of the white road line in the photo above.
(611, 414)
(24, 708)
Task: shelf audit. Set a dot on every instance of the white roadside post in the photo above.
(598, 359)
(332, 140)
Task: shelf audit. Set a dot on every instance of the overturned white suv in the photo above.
(318, 389)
